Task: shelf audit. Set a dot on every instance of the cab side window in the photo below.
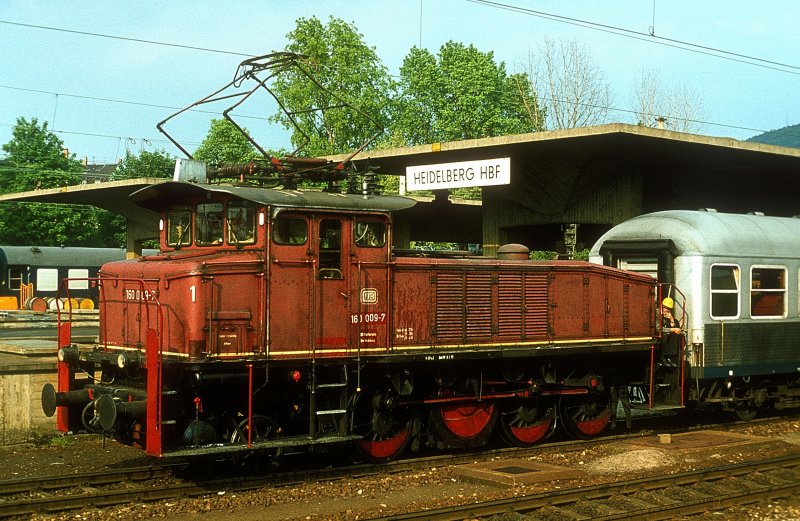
(289, 231)
(369, 234)
(330, 249)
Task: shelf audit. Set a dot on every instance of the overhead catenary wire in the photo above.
(647, 37)
(620, 31)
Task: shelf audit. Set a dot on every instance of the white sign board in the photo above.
(484, 172)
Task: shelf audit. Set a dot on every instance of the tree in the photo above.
(570, 83)
(338, 58)
(111, 226)
(461, 94)
(147, 164)
(35, 160)
(224, 143)
(679, 108)
(33, 145)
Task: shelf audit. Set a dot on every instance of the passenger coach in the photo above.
(735, 281)
(30, 275)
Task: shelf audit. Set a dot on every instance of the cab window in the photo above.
(330, 249)
(179, 227)
(369, 234)
(768, 292)
(241, 223)
(289, 231)
(210, 224)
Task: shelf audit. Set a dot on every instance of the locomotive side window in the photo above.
(369, 234)
(725, 288)
(179, 227)
(330, 249)
(289, 231)
(209, 224)
(241, 224)
(768, 292)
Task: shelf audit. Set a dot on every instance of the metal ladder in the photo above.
(332, 392)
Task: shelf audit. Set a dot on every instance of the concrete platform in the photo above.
(694, 441)
(515, 472)
(28, 347)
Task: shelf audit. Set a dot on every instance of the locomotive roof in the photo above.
(160, 196)
(712, 233)
(58, 256)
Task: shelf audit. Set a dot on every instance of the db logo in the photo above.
(369, 296)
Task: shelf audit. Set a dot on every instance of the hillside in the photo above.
(782, 137)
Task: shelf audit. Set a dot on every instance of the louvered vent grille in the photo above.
(511, 307)
(449, 308)
(536, 306)
(479, 306)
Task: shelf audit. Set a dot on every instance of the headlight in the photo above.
(121, 361)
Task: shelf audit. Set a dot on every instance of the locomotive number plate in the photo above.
(368, 318)
(138, 294)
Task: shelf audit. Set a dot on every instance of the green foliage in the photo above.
(543, 255)
(341, 62)
(147, 164)
(33, 145)
(35, 162)
(461, 94)
(48, 225)
(224, 143)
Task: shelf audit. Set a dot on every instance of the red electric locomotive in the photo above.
(277, 318)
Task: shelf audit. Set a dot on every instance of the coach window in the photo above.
(179, 227)
(725, 289)
(15, 277)
(289, 231)
(241, 223)
(81, 276)
(369, 234)
(47, 279)
(209, 224)
(330, 249)
(767, 292)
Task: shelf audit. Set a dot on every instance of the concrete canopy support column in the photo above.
(135, 234)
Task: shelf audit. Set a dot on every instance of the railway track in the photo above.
(106, 488)
(660, 497)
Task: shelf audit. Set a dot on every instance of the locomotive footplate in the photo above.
(289, 441)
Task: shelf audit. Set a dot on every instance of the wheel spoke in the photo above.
(585, 416)
(527, 424)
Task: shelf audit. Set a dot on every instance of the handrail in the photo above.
(143, 296)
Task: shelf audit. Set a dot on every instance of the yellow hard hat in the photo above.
(668, 303)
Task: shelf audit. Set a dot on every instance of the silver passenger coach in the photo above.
(736, 278)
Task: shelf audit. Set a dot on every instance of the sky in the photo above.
(87, 69)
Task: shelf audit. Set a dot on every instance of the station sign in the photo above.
(464, 174)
